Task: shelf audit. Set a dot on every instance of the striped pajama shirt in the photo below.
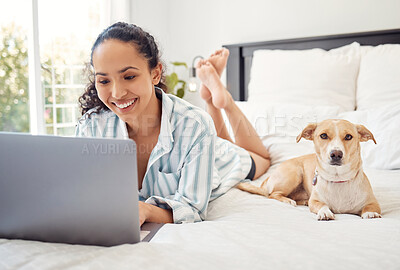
(189, 166)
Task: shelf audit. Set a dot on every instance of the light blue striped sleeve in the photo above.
(190, 201)
(81, 129)
(90, 126)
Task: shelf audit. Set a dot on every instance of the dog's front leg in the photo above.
(321, 209)
(371, 210)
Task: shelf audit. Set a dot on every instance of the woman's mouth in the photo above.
(125, 106)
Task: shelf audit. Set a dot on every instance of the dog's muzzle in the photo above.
(336, 157)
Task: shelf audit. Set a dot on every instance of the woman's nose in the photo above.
(118, 90)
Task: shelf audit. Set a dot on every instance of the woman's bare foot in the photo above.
(220, 97)
(218, 60)
(204, 92)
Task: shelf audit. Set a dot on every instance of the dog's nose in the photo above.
(336, 155)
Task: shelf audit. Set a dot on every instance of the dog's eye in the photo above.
(348, 137)
(324, 136)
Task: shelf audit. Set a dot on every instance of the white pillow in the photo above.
(306, 77)
(379, 76)
(278, 126)
(384, 123)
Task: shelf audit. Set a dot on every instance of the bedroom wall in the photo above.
(187, 28)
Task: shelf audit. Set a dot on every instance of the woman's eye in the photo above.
(348, 137)
(129, 77)
(104, 81)
(324, 136)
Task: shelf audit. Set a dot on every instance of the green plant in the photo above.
(14, 94)
(175, 85)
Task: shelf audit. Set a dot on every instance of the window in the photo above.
(66, 32)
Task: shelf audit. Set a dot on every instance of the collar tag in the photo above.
(314, 181)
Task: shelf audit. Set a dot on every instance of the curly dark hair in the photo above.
(144, 43)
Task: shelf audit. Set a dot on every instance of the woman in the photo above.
(181, 162)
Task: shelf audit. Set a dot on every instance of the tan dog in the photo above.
(330, 181)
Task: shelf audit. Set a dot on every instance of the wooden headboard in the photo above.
(241, 55)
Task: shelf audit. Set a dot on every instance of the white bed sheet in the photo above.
(242, 231)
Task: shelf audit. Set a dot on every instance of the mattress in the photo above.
(242, 231)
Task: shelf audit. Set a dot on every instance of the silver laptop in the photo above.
(69, 190)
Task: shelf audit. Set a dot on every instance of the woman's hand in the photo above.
(152, 213)
(143, 212)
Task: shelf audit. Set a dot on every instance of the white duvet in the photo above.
(242, 231)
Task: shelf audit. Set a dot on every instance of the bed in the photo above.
(245, 231)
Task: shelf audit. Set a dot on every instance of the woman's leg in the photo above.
(245, 134)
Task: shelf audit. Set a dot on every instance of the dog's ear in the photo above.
(365, 134)
(307, 132)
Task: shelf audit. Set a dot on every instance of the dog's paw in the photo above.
(325, 213)
(371, 215)
(289, 201)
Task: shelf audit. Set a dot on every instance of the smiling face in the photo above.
(124, 82)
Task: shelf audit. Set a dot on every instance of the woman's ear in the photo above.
(156, 74)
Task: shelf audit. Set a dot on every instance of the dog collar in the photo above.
(314, 181)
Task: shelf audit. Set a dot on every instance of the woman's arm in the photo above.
(191, 197)
(152, 213)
